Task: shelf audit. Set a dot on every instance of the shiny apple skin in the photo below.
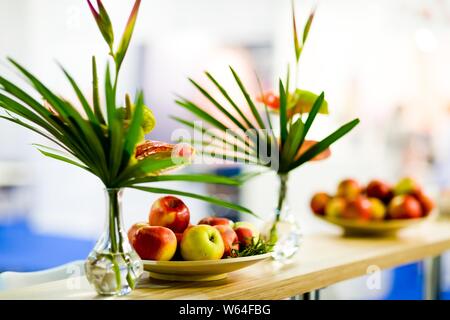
(215, 221)
(406, 185)
(170, 212)
(247, 233)
(155, 243)
(319, 202)
(134, 228)
(230, 239)
(380, 190)
(349, 189)
(425, 201)
(335, 207)
(202, 242)
(358, 208)
(404, 207)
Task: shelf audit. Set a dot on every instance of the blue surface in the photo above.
(23, 250)
(407, 283)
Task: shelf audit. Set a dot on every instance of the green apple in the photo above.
(247, 233)
(406, 186)
(202, 242)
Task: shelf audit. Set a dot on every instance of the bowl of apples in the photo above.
(172, 248)
(377, 209)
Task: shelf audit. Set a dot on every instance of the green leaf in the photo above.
(209, 199)
(250, 103)
(78, 130)
(246, 150)
(95, 93)
(64, 159)
(126, 37)
(318, 104)
(283, 113)
(134, 130)
(227, 96)
(201, 114)
(324, 144)
(54, 150)
(200, 178)
(218, 105)
(244, 177)
(85, 104)
(36, 130)
(116, 141)
(308, 26)
(151, 165)
(297, 46)
(293, 143)
(110, 97)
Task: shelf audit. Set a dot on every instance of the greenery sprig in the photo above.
(259, 247)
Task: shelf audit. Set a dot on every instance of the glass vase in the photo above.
(113, 267)
(283, 229)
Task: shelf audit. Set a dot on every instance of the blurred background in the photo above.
(383, 61)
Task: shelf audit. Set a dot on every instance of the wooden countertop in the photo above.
(324, 259)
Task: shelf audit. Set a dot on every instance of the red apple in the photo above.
(358, 208)
(214, 221)
(404, 207)
(246, 232)
(155, 243)
(380, 190)
(170, 212)
(229, 237)
(319, 202)
(134, 228)
(177, 255)
(425, 201)
(349, 189)
(179, 237)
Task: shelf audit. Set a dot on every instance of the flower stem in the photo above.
(114, 224)
(283, 177)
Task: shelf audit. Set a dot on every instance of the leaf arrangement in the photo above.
(103, 139)
(261, 246)
(250, 139)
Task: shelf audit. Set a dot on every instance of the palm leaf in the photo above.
(209, 199)
(324, 144)
(200, 178)
(227, 96)
(250, 103)
(95, 93)
(63, 159)
(133, 133)
(283, 114)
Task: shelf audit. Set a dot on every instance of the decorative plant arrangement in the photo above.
(105, 139)
(375, 209)
(253, 139)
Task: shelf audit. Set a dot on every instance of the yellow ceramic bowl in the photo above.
(205, 270)
(353, 227)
